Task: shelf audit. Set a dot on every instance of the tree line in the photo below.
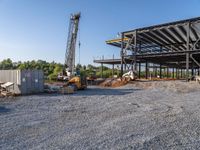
(52, 69)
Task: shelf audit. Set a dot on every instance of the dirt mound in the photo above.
(114, 82)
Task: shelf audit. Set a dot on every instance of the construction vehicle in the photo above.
(69, 73)
(78, 83)
(131, 75)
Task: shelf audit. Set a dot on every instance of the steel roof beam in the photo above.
(177, 34)
(160, 37)
(164, 41)
(171, 41)
(144, 41)
(182, 29)
(171, 35)
(180, 38)
(194, 33)
(152, 38)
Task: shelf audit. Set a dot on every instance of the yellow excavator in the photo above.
(78, 83)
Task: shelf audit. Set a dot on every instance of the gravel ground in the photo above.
(145, 115)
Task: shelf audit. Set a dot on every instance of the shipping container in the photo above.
(25, 81)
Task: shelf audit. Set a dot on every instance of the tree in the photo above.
(58, 69)
(6, 64)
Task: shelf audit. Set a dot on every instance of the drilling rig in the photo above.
(69, 72)
(71, 45)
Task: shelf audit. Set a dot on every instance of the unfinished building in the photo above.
(173, 48)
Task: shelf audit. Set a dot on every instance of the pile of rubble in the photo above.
(114, 82)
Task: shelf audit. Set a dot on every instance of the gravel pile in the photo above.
(128, 117)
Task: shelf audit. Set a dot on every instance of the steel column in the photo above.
(146, 70)
(181, 73)
(122, 53)
(135, 51)
(101, 70)
(113, 67)
(160, 71)
(187, 66)
(188, 48)
(192, 68)
(156, 72)
(167, 72)
(139, 70)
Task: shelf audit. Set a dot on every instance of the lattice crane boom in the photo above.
(71, 43)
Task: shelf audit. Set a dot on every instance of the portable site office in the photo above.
(25, 81)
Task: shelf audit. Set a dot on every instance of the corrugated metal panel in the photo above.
(25, 81)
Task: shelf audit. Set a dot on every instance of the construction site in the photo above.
(153, 103)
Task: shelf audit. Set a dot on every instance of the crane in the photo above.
(78, 82)
(71, 44)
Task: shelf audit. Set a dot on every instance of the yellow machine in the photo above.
(78, 82)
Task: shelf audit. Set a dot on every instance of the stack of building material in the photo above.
(7, 89)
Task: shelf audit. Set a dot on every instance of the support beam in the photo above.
(187, 66)
(135, 51)
(177, 73)
(192, 68)
(139, 70)
(181, 73)
(122, 54)
(146, 70)
(188, 48)
(101, 70)
(167, 72)
(113, 67)
(156, 72)
(160, 71)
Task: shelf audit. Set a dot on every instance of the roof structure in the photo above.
(170, 36)
(174, 45)
(159, 43)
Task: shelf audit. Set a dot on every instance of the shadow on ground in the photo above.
(91, 91)
(4, 109)
(104, 91)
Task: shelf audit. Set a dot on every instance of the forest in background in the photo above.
(52, 69)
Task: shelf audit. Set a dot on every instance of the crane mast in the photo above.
(71, 43)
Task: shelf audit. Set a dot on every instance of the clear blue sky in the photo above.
(37, 29)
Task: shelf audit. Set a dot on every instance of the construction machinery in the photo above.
(69, 73)
(78, 83)
(131, 75)
(71, 45)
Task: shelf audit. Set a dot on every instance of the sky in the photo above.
(38, 29)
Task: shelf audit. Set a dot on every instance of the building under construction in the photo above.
(173, 48)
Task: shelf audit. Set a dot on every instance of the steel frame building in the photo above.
(169, 45)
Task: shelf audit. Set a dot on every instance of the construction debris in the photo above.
(5, 89)
(67, 90)
(114, 82)
(51, 88)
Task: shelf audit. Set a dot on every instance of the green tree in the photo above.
(6, 64)
(58, 69)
